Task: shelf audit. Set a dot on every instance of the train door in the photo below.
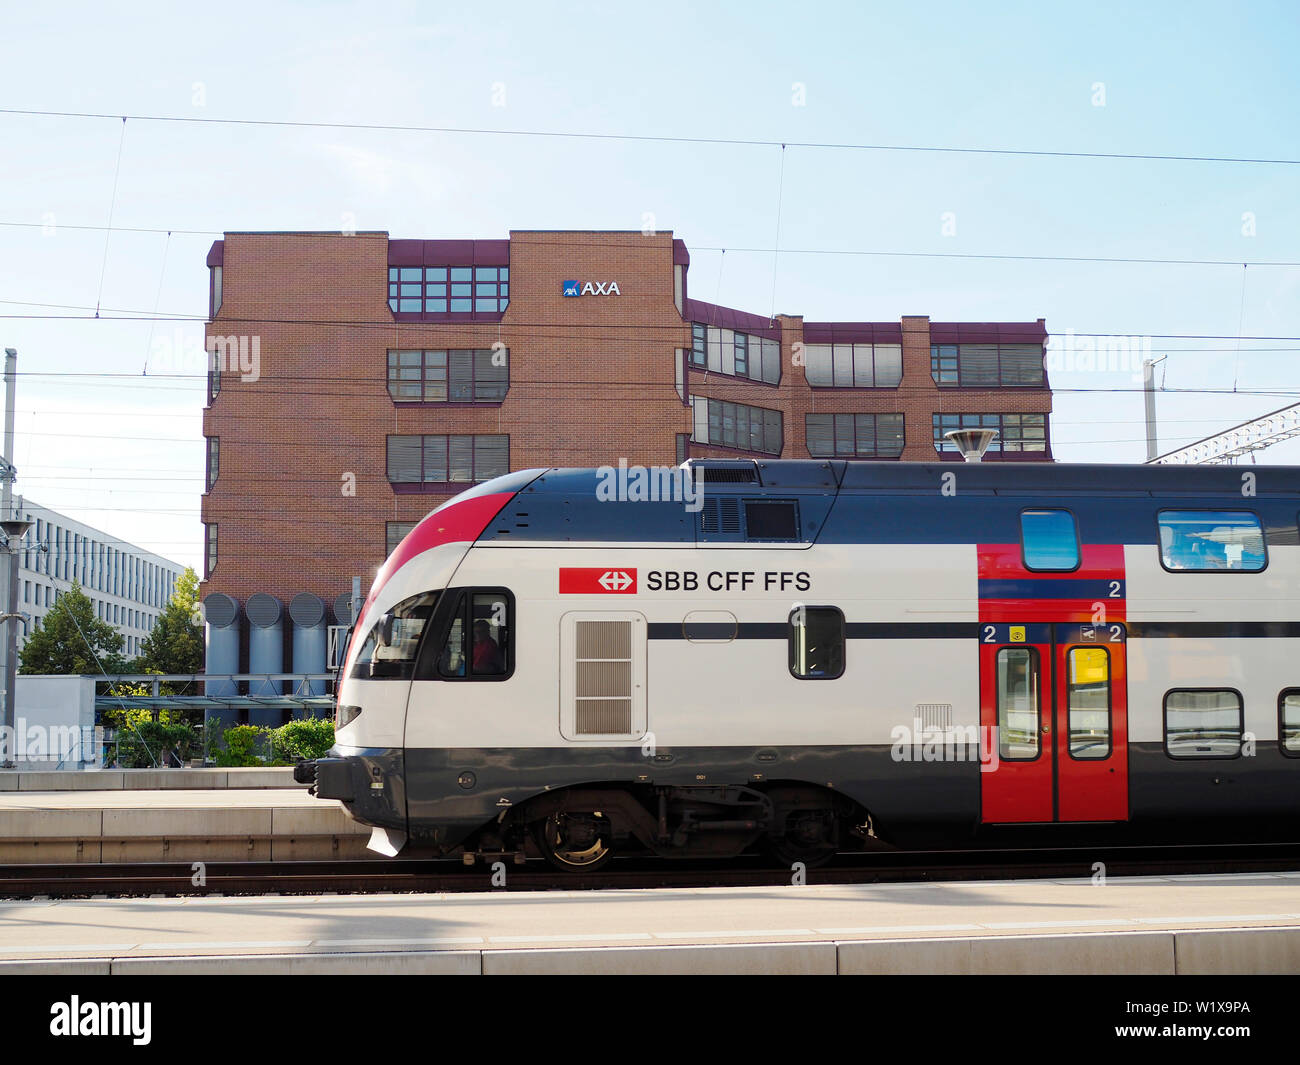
(1054, 717)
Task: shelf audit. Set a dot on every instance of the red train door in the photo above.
(1091, 722)
(1054, 723)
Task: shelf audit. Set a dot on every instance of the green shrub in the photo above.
(301, 740)
(167, 742)
(237, 746)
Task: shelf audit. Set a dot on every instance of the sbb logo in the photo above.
(597, 580)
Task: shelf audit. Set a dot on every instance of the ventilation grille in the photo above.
(730, 475)
(720, 515)
(934, 717)
(603, 678)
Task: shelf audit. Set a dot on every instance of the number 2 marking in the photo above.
(1115, 632)
(990, 631)
(1114, 589)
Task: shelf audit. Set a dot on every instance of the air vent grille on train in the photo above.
(730, 475)
(603, 678)
(720, 515)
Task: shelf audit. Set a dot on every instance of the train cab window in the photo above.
(1288, 722)
(1203, 723)
(1088, 690)
(1019, 704)
(1049, 540)
(478, 644)
(816, 642)
(388, 652)
(1208, 541)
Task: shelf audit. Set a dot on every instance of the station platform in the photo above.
(1221, 924)
(147, 779)
(213, 823)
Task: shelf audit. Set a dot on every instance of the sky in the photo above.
(109, 412)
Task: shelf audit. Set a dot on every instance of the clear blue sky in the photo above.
(1186, 79)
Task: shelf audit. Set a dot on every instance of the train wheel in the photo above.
(575, 842)
(809, 838)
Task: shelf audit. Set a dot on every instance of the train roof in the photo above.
(744, 476)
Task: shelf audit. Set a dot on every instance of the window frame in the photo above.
(937, 358)
(426, 664)
(424, 379)
(855, 415)
(1160, 547)
(446, 484)
(1241, 726)
(1037, 660)
(1078, 542)
(210, 557)
(790, 642)
(449, 278)
(214, 462)
(998, 447)
(1287, 752)
(1110, 705)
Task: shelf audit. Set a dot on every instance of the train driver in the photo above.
(487, 655)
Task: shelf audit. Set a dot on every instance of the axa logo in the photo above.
(591, 288)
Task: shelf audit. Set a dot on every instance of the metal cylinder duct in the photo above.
(343, 609)
(220, 642)
(310, 638)
(265, 642)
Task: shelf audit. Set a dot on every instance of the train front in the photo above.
(365, 769)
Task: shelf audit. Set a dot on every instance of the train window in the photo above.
(1049, 540)
(771, 521)
(1203, 723)
(1288, 724)
(388, 652)
(1088, 683)
(1211, 541)
(816, 642)
(1019, 705)
(478, 643)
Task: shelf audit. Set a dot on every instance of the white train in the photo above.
(809, 653)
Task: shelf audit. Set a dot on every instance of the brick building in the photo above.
(360, 381)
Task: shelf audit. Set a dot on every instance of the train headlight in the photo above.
(345, 715)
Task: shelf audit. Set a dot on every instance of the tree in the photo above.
(70, 639)
(175, 645)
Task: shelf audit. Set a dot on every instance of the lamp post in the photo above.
(14, 529)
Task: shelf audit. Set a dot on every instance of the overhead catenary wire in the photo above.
(650, 138)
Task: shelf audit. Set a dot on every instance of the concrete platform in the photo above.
(147, 779)
(1139, 925)
(210, 824)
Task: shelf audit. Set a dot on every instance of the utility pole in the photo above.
(9, 570)
(1149, 398)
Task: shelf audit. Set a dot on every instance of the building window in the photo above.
(214, 375)
(816, 640)
(1016, 432)
(211, 560)
(683, 447)
(430, 290)
(1049, 540)
(1208, 541)
(214, 294)
(987, 365)
(1203, 723)
(736, 425)
(855, 365)
(727, 351)
(447, 459)
(478, 375)
(395, 533)
(854, 435)
(214, 460)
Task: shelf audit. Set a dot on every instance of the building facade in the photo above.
(358, 381)
(128, 586)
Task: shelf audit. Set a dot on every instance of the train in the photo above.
(804, 657)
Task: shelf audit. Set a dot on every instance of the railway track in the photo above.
(449, 875)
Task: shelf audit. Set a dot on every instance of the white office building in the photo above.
(128, 586)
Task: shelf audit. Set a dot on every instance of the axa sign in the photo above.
(591, 288)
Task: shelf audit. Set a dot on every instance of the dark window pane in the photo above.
(1049, 540)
